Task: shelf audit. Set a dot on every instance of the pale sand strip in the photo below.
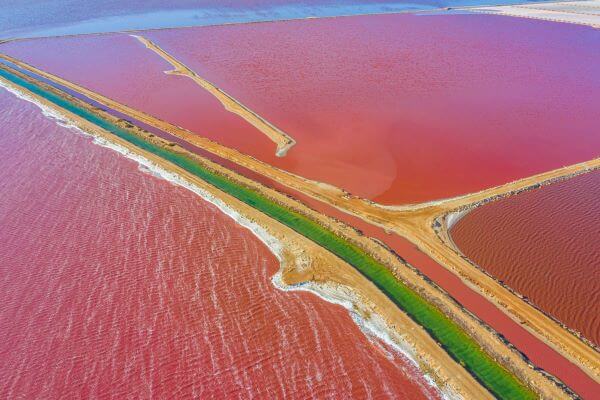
(577, 12)
(412, 222)
(283, 141)
(304, 261)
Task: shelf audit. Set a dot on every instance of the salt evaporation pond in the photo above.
(545, 244)
(395, 108)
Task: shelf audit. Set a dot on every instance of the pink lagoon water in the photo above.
(116, 284)
(415, 114)
(395, 108)
(408, 108)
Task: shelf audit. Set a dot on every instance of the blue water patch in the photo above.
(38, 18)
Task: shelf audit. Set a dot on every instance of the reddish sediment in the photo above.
(115, 283)
(394, 108)
(543, 243)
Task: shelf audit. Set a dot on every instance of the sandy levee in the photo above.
(490, 340)
(446, 367)
(283, 141)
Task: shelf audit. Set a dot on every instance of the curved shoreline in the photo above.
(465, 204)
(370, 324)
(284, 243)
(338, 230)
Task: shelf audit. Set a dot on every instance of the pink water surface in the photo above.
(116, 284)
(545, 244)
(481, 73)
(396, 108)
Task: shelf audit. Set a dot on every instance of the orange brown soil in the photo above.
(414, 222)
(283, 141)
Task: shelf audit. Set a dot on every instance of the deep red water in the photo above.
(537, 352)
(396, 108)
(116, 284)
(545, 244)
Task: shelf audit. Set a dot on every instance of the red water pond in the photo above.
(116, 284)
(539, 353)
(396, 108)
(545, 244)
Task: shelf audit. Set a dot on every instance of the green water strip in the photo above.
(464, 349)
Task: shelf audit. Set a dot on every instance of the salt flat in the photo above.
(572, 12)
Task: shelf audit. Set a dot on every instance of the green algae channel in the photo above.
(464, 349)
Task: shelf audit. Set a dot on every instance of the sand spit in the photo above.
(418, 223)
(303, 260)
(570, 12)
(365, 314)
(558, 267)
(283, 141)
(445, 221)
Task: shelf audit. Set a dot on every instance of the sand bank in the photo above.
(543, 243)
(283, 141)
(435, 217)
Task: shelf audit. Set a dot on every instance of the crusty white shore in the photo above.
(570, 12)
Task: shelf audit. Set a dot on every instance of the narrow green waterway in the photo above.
(499, 381)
